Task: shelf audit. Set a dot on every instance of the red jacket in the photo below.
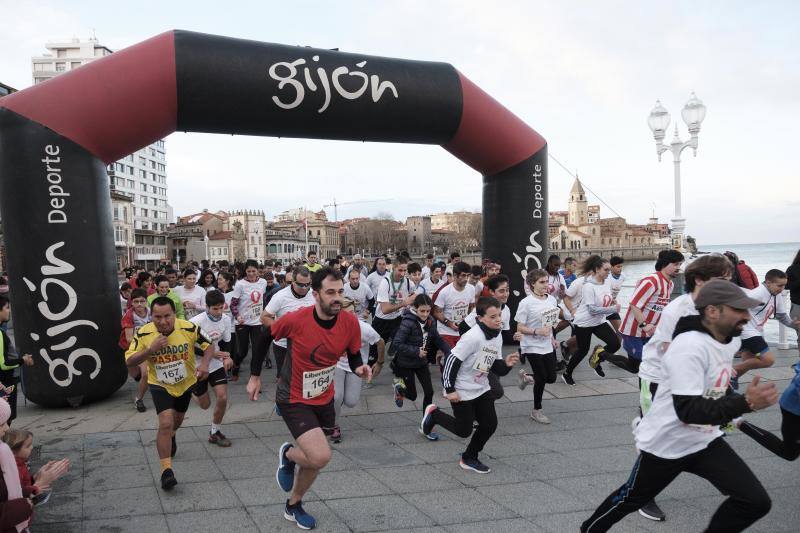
(748, 278)
(12, 512)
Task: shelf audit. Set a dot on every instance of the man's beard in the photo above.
(735, 331)
(329, 309)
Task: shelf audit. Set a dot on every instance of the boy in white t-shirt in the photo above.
(453, 303)
(217, 328)
(755, 350)
(681, 431)
(466, 384)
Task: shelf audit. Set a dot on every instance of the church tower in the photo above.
(578, 206)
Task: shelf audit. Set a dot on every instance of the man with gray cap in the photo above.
(681, 431)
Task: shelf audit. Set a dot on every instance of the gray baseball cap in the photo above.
(723, 292)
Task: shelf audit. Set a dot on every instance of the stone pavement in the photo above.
(384, 476)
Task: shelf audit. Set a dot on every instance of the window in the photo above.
(153, 189)
(39, 80)
(61, 66)
(61, 53)
(143, 174)
(143, 187)
(130, 170)
(152, 164)
(131, 184)
(145, 213)
(119, 234)
(41, 67)
(142, 161)
(119, 167)
(74, 65)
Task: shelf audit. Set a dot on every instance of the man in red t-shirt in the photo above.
(317, 337)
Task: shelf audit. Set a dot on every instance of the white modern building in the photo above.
(143, 174)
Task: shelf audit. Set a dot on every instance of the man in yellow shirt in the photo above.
(168, 345)
(311, 262)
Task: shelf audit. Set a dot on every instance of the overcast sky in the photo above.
(583, 74)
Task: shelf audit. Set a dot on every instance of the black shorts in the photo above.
(217, 377)
(301, 417)
(755, 345)
(613, 316)
(163, 400)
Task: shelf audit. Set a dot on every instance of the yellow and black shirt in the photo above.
(173, 366)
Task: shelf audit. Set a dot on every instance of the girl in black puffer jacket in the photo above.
(416, 335)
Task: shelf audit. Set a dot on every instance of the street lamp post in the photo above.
(693, 114)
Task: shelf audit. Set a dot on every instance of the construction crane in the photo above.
(336, 205)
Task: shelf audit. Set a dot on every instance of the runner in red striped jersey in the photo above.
(650, 297)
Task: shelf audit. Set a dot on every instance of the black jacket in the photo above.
(793, 273)
(408, 340)
(700, 410)
(9, 363)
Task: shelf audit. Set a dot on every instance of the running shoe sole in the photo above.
(647, 515)
(565, 379)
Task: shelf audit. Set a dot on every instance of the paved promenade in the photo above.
(384, 476)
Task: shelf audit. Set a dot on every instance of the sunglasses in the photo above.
(302, 285)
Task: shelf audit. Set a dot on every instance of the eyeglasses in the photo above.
(302, 285)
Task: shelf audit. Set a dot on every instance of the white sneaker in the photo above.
(538, 416)
(523, 379)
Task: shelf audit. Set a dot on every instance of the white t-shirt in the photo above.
(555, 286)
(653, 351)
(426, 286)
(197, 295)
(426, 272)
(597, 294)
(374, 280)
(616, 283)
(226, 310)
(476, 354)
(478, 288)
(761, 313)
(455, 305)
(368, 337)
(251, 300)
(575, 293)
(505, 314)
(359, 295)
(391, 291)
(215, 331)
(284, 301)
(536, 313)
(695, 364)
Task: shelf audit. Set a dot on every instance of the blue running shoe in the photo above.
(285, 473)
(431, 436)
(426, 425)
(295, 513)
(278, 410)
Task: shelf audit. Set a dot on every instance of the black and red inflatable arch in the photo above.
(57, 137)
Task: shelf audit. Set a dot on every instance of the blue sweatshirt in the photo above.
(790, 400)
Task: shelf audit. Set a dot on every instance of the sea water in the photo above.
(760, 257)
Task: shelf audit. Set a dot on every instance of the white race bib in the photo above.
(316, 382)
(171, 373)
(255, 310)
(483, 363)
(550, 318)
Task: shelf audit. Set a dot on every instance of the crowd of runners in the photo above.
(328, 330)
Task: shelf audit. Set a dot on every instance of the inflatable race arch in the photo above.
(56, 139)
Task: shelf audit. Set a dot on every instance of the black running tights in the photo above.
(789, 447)
(604, 332)
(480, 409)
